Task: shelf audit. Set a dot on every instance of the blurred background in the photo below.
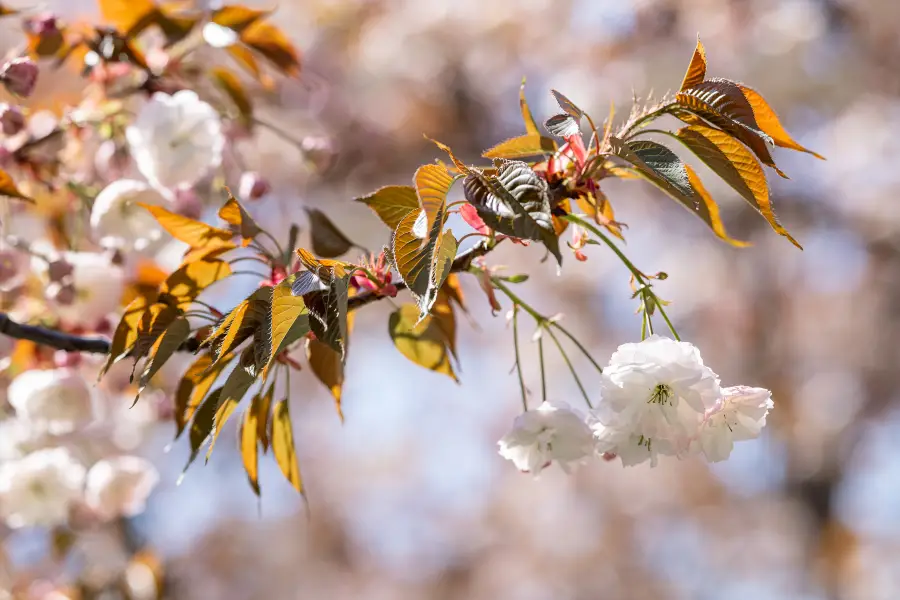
(408, 498)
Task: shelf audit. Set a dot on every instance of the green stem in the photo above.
(571, 368)
(665, 317)
(279, 132)
(543, 370)
(498, 283)
(274, 241)
(584, 351)
(615, 248)
(515, 321)
(644, 119)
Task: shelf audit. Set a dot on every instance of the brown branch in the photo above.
(101, 345)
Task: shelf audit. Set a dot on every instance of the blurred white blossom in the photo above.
(740, 416)
(39, 488)
(120, 486)
(175, 140)
(548, 433)
(118, 222)
(55, 400)
(654, 395)
(93, 288)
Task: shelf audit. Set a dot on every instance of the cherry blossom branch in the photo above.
(100, 345)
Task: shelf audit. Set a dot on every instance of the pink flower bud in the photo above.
(319, 151)
(12, 121)
(59, 269)
(19, 76)
(45, 25)
(253, 186)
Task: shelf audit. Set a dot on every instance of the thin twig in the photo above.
(515, 320)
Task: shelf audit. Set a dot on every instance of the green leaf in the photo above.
(421, 340)
(327, 239)
(723, 104)
(530, 144)
(392, 203)
(420, 247)
(664, 169)
(515, 202)
(288, 321)
(731, 161)
(283, 445)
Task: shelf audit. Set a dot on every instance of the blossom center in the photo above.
(661, 394)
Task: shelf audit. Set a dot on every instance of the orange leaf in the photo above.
(530, 126)
(283, 445)
(236, 215)
(125, 14)
(229, 83)
(269, 41)
(769, 123)
(247, 436)
(709, 210)
(237, 16)
(195, 234)
(328, 367)
(696, 71)
(8, 187)
(190, 279)
(530, 144)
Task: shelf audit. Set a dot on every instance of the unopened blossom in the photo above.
(54, 400)
(19, 76)
(319, 151)
(118, 222)
(654, 394)
(120, 486)
(253, 186)
(92, 291)
(39, 488)
(13, 268)
(546, 434)
(740, 416)
(175, 140)
(380, 271)
(12, 121)
(579, 241)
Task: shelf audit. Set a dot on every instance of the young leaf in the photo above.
(236, 385)
(243, 321)
(327, 239)
(8, 187)
(696, 71)
(325, 269)
(126, 333)
(270, 42)
(283, 445)
(193, 387)
(193, 233)
(163, 349)
(392, 203)
(124, 14)
(260, 408)
(515, 202)
(186, 283)
(247, 438)
(770, 124)
(211, 250)
(420, 247)
(662, 167)
(289, 320)
(722, 103)
(731, 161)
(202, 425)
(530, 125)
(329, 311)
(421, 341)
(327, 366)
(442, 313)
(6, 11)
(229, 83)
(531, 144)
(233, 213)
(562, 125)
(568, 106)
(305, 282)
(154, 322)
(454, 292)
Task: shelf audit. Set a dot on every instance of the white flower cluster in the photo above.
(42, 475)
(656, 398)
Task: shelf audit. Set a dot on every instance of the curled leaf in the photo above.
(696, 71)
(233, 213)
(770, 124)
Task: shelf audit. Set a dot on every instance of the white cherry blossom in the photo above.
(654, 396)
(120, 486)
(91, 291)
(118, 222)
(57, 401)
(740, 416)
(39, 488)
(175, 140)
(546, 434)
